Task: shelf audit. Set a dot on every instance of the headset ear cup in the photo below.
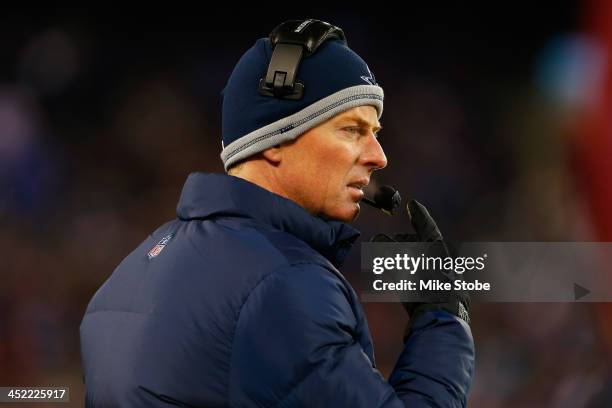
(292, 41)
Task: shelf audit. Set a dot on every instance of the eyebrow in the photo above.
(361, 123)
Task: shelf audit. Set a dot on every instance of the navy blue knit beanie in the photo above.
(335, 79)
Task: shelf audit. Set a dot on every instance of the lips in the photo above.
(357, 188)
(359, 184)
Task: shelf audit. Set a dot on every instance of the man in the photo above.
(239, 302)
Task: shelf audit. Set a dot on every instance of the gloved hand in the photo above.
(455, 302)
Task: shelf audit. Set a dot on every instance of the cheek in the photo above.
(334, 171)
(332, 167)
(310, 180)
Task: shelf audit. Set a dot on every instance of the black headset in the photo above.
(291, 41)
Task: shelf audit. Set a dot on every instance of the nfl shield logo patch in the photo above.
(156, 250)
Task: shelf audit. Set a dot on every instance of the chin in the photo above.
(347, 213)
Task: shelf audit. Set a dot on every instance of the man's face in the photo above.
(326, 168)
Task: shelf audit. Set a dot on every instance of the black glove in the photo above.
(455, 302)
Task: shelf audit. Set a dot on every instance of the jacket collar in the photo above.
(208, 195)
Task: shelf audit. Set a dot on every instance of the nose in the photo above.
(373, 155)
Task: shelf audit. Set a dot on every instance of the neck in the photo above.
(260, 172)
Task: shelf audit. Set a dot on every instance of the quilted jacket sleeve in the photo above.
(295, 346)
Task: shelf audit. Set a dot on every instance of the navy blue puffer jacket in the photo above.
(239, 303)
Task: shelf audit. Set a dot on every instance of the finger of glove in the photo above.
(422, 222)
(462, 296)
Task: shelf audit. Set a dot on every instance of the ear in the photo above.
(274, 155)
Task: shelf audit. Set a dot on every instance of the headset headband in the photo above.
(291, 41)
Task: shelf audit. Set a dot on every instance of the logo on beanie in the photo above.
(369, 79)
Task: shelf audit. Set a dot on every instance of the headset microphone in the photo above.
(386, 199)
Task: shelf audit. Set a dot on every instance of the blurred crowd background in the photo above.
(496, 118)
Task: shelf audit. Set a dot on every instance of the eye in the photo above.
(353, 130)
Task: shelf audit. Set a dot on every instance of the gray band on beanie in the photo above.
(292, 126)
